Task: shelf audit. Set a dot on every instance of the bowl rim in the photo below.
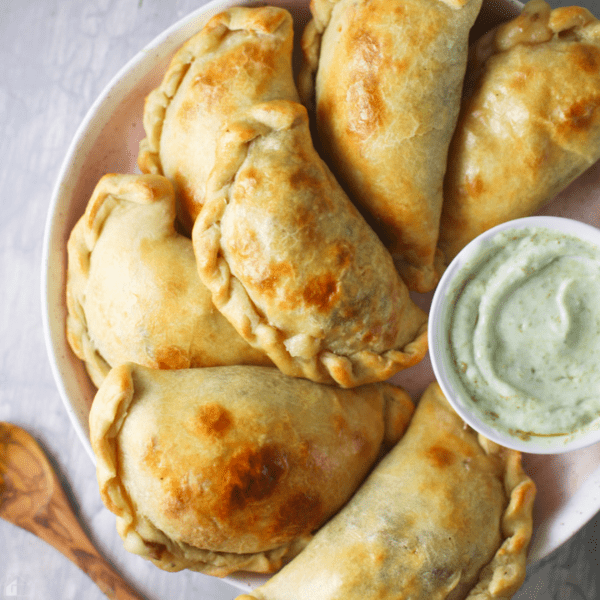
(439, 339)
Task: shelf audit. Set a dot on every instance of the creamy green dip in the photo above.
(525, 332)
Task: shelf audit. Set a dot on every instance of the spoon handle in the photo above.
(57, 524)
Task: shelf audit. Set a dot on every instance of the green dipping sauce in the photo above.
(525, 332)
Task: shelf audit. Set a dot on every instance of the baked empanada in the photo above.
(133, 291)
(387, 93)
(530, 125)
(229, 468)
(444, 515)
(293, 265)
(242, 56)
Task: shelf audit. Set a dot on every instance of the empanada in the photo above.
(530, 125)
(444, 515)
(242, 56)
(133, 291)
(229, 468)
(293, 265)
(387, 92)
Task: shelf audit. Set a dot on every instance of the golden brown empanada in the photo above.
(229, 468)
(133, 291)
(242, 56)
(530, 125)
(293, 265)
(444, 515)
(387, 92)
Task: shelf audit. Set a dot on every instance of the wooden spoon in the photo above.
(32, 497)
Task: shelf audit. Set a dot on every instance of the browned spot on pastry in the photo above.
(189, 109)
(400, 66)
(253, 59)
(586, 57)
(366, 45)
(275, 273)
(363, 97)
(299, 514)
(178, 495)
(321, 291)
(474, 186)
(369, 336)
(399, 10)
(440, 456)
(304, 218)
(213, 420)
(252, 177)
(536, 16)
(302, 179)
(342, 253)
(267, 20)
(156, 549)
(251, 474)
(152, 457)
(520, 78)
(260, 57)
(365, 103)
(339, 423)
(170, 357)
(580, 116)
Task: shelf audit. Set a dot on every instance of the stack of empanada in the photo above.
(221, 468)
(242, 410)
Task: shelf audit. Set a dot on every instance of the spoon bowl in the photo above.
(32, 497)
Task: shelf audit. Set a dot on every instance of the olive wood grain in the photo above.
(32, 497)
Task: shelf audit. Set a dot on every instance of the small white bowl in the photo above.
(444, 367)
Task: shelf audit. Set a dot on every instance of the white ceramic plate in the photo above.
(107, 141)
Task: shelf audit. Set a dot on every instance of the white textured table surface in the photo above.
(55, 58)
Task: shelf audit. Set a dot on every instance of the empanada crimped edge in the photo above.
(505, 573)
(143, 189)
(233, 300)
(204, 41)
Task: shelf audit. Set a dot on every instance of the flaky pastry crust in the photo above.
(385, 78)
(293, 265)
